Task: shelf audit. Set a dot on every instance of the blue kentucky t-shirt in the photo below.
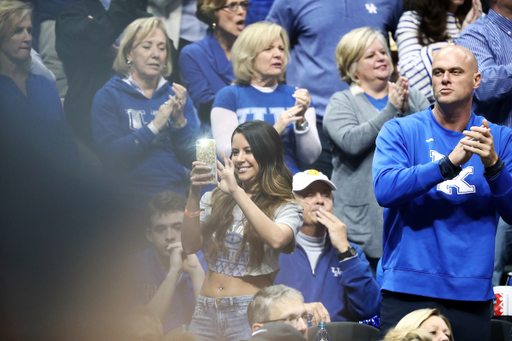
(251, 104)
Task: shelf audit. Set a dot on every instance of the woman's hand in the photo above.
(173, 108)
(226, 173)
(288, 116)
(474, 13)
(302, 99)
(199, 176)
(398, 94)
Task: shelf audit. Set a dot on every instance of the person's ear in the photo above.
(256, 327)
(477, 80)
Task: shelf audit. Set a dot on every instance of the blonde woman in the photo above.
(144, 128)
(429, 320)
(406, 335)
(352, 121)
(260, 55)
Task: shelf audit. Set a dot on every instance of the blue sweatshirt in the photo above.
(141, 162)
(438, 235)
(346, 289)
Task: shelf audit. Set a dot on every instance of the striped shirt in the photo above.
(415, 60)
(490, 39)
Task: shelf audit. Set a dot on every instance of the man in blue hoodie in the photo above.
(444, 177)
(332, 274)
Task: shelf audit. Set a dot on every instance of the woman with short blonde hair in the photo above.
(429, 320)
(260, 57)
(352, 121)
(351, 48)
(143, 127)
(132, 37)
(249, 45)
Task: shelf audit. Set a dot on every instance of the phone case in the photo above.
(206, 152)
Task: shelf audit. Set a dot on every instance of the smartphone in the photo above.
(206, 152)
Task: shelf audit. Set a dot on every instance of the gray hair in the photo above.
(263, 302)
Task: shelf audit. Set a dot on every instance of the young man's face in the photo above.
(165, 229)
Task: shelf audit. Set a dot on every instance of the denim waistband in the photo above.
(224, 301)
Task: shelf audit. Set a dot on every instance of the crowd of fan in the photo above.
(126, 88)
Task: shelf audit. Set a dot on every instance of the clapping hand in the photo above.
(172, 108)
(474, 13)
(398, 94)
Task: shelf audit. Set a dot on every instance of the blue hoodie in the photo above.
(346, 289)
(140, 162)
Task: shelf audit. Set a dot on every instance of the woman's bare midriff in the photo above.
(220, 285)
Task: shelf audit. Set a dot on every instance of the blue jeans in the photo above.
(222, 318)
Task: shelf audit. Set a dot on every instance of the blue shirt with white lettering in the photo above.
(251, 104)
(433, 226)
(140, 162)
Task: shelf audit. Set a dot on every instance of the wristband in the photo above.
(192, 215)
(448, 169)
(492, 172)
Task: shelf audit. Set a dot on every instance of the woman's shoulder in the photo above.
(195, 50)
(410, 16)
(288, 206)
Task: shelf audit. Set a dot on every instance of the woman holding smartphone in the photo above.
(242, 226)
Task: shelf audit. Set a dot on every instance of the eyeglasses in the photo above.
(294, 321)
(233, 7)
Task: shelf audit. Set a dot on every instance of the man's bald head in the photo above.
(455, 76)
(451, 51)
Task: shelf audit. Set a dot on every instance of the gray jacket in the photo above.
(352, 124)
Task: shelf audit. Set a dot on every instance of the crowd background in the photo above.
(109, 117)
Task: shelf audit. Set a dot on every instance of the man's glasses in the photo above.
(294, 321)
(233, 7)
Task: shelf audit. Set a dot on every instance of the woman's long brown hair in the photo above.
(433, 18)
(274, 188)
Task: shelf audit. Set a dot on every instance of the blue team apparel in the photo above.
(250, 104)
(346, 289)
(490, 41)
(37, 119)
(142, 163)
(205, 69)
(438, 235)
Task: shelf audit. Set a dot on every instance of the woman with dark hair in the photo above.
(206, 64)
(425, 27)
(241, 227)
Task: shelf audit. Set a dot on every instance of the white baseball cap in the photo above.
(302, 180)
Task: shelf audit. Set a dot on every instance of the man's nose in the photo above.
(302, 326)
